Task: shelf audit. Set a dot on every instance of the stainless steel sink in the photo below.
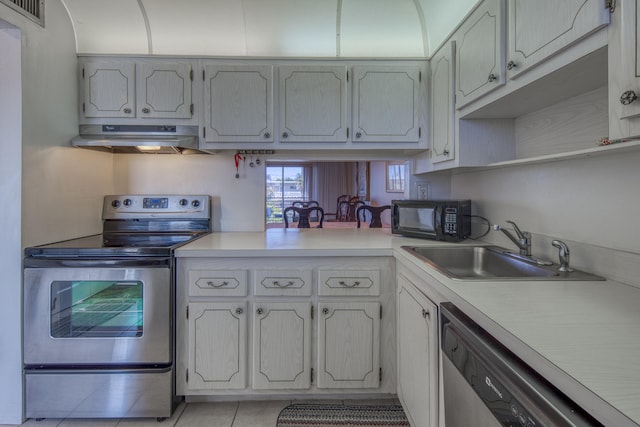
(489, 263)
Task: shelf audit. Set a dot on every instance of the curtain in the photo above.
(331, 180)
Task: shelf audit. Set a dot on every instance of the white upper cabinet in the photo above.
(137, 90)
(386, 104)
(238, 103)
(541, 28)
(624, 71)
(480, 45)
(108, 89)
(164, 90)
(313, 103)
(442, 104)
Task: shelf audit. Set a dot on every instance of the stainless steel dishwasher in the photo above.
(487, 385)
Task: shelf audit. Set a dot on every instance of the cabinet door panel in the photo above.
(281, 345)
(348, 345)
(239, 103)
(217, 346)
(480, 45)
(535, 33)
(417, 354)
(386, 104)
(164, 90)
(313, 104)
(442, 104)
(109, 89)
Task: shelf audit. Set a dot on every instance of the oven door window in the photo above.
(96, 309)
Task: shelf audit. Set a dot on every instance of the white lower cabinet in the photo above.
(417, 323)
(310, 326)
(217, 354)
(348, 345)
(281, 345)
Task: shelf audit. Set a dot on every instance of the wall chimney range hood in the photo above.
(147, 139)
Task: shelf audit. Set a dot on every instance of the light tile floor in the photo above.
(209, 414)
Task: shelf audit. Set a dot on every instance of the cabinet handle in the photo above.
(267, 135)
(127, 110)
(283, 285)
(325, 311)
(343, 283)
(260, 310)
(445, 153)
(217, 285)
(511, 65)
(492, 78)
(146, 110)
(628, 97)
(425, 313)
(239, 310)
(285, 135)
(358, 134)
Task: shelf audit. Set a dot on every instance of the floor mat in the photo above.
(319, 415)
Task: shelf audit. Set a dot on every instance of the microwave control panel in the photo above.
(451, 221)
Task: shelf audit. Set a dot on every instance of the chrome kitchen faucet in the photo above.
(523, 242)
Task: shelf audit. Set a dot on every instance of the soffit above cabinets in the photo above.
(269, 28)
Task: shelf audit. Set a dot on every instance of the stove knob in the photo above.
(183, 202)
(115, 203)
(195, 203)
(127, 202)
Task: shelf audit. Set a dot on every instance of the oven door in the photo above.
(102, 315)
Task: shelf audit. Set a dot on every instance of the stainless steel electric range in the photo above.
(99, 311)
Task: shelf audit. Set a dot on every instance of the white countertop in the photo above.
(582, 336)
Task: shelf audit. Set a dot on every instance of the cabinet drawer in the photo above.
(348, 282)
(230, 283)
(283, 282)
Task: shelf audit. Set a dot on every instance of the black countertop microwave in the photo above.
(448, 220)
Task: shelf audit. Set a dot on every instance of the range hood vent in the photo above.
(147, 139)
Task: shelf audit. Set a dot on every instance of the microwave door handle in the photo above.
(438, 222)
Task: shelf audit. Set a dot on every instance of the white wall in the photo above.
(10, 255)
(591, 202)
(238, 204)
(49, 190)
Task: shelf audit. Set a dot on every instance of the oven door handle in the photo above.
(147, 262)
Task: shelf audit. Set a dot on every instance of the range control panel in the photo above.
(129, 206)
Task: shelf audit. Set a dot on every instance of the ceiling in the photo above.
(270, 28)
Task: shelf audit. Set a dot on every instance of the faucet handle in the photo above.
(519, 232)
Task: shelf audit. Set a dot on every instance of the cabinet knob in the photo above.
(358, 134)
(239, 310)
(511, 65)
(127, 110)
(445, 153)
(260, 310)
(146, 110)
(285, 135)
(425, 313)
(267, 135)
(325, 311)
(492, 78)
(628, 97)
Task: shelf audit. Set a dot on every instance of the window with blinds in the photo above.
(32, 9)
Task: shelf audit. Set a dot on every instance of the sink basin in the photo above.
(489, 263)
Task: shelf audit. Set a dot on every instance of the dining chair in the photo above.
(303, 216)
(347, 210)
(374, 211)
